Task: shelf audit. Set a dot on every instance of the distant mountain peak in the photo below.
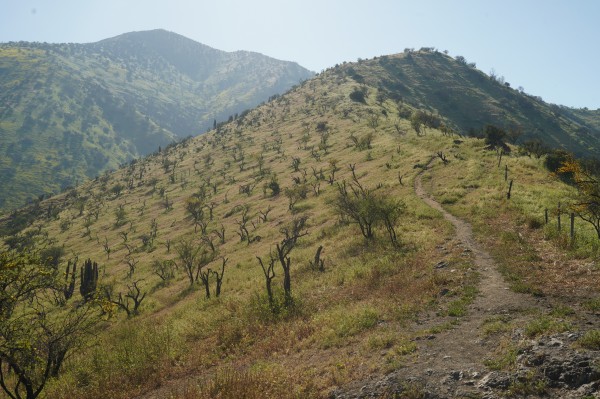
(92, 107)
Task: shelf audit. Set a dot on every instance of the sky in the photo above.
(548, 47)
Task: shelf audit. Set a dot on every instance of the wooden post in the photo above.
(505, 172)
(572, 226)
(559, 216)
(509, 189)
(500, 157)
(546, 215)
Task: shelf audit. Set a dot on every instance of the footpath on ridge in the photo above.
(450, 364)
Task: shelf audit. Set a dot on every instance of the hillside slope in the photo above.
(387, 298)
(71, 111)
(467, 99)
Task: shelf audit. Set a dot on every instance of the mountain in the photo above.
(71, 111)
(468, 100)
(323, 244)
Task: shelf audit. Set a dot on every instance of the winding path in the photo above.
(451, 363)
(459, 353)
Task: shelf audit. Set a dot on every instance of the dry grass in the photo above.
(344, 320)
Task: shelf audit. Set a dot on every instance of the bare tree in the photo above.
(291, 235)
(219, 276)
(192, 257)
(269, 272)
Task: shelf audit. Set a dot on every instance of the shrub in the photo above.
(358, 96)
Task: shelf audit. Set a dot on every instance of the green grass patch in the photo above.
(344, 323)
(530, 384)
(496, 325)
(505, 357)
(590, 340)
(592, 305)
(562, 311)
(458, 307)
(546, 325)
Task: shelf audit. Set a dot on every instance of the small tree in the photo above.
(195, 207)
(296, 164)
(587, 203)
(358, 95)
(416, 123)
(35, 335)
(294, 194)
(204, 276)
(192, 258)
(187, 251)
(494, 138)
(165, 269)
(120, 216)
(130, 302)
(291, 235)
(219, 276)
(269, 272)
(317, 263)
(363, 207)
(357, 205)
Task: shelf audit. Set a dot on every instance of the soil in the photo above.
(450, 364)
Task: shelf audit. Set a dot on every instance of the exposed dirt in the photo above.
(450, 364)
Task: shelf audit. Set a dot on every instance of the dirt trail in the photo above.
(459, 353)
(450, 364)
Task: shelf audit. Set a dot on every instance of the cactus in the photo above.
(89, 279)
(69, 287)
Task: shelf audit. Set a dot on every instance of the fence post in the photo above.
(559, 216)
(509, 189)
(505, 172)
(546, 215)
(572, 226)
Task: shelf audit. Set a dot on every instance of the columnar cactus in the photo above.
(89, 279)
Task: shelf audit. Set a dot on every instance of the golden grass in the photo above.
(345, 318)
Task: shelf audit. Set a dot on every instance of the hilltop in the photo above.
(467, 99)
(71, 111)
(410, 272)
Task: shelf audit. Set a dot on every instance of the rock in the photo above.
(494, 380)
(572, 371)
(534, 360)
(456, 375)
(555, 342)
(441, 264)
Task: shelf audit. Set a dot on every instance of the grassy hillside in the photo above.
(468, 99)
(71, 111)
(359, 315)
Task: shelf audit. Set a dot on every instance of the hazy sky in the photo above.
(551, 48)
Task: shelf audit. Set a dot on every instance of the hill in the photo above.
(320, 246)
(72, 111)
(467, 99)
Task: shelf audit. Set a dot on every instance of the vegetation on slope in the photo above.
(468, 100)
(205, 209)
(71, 111)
